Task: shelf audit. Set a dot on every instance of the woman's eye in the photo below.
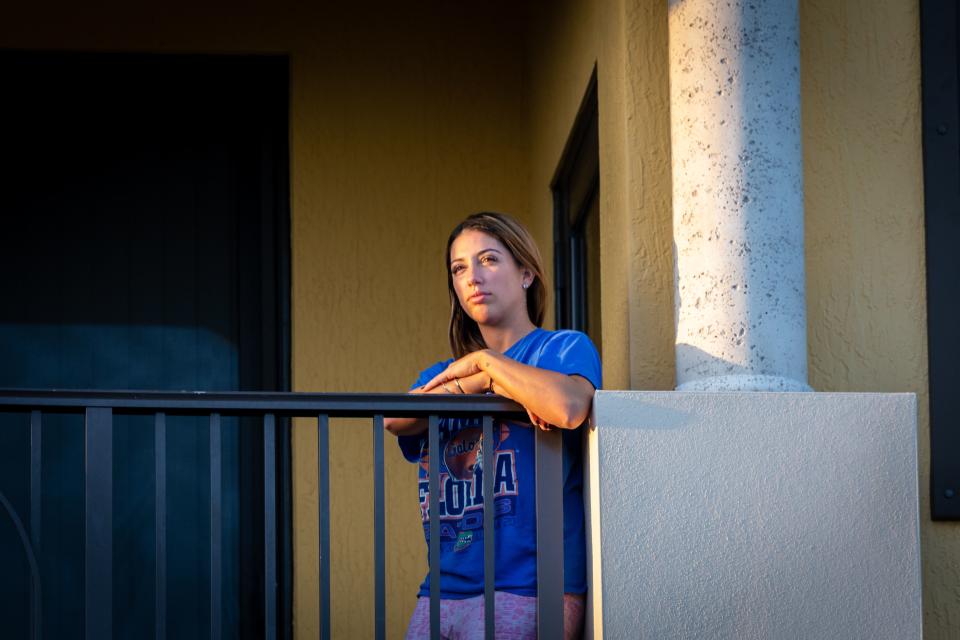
(488, 259)
(457, 269)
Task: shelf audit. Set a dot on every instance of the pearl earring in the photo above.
(525, 285)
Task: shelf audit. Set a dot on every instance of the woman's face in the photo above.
(487, 279)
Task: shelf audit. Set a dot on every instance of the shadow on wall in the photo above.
(703, 364)
(704, 371)
(662, 419)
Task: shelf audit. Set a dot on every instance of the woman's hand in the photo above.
(476, 383)
(551, 399)
(465, 375)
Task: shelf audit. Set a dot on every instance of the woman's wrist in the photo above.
(488, 363)
(486, 359)
(475, 383)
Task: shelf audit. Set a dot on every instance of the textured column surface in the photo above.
(737, 195)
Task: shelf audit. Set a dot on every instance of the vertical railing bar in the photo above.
(269, 527)
(379, 536)
(433, 442)
(489, 471)
(216, 529)
(160, 519)
(323, 482)
(31, 561)
(36, 515)
(36, 477)
(98, 527)
(549, 481)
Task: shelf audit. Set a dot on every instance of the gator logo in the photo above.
(464, 539)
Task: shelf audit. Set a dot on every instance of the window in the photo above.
(576, 223)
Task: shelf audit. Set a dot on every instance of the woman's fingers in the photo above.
(477, 383)
(437, 380)
(462, 368)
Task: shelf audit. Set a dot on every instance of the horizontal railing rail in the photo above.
(99, 408)
(288, 404)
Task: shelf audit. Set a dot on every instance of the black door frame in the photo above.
(575, 186)
(941, 172)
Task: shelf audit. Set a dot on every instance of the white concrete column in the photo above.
(737, 195)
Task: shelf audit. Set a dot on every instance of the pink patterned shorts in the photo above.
(516, 618)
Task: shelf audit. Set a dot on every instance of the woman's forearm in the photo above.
(559, 399)
(408, 426)
(405, 426)
(548, 396)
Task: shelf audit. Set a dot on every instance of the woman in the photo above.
(497, 300)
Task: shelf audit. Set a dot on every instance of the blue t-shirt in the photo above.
(461, 483)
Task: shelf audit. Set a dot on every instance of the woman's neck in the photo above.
(501, 338)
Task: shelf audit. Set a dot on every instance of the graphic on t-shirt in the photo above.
(459, 497)
(463, 454)
(461, 459)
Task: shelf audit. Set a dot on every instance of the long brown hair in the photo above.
(465, 336)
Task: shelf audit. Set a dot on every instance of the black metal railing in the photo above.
(100, 407)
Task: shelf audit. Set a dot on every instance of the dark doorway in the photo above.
(145, 245)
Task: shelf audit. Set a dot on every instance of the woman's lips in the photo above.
(479, 296)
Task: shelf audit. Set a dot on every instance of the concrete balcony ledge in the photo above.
(753, 515)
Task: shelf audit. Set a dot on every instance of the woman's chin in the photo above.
(484, 317)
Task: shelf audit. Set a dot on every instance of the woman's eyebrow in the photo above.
(487, 250)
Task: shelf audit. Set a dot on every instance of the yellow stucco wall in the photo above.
(405, 117)
(403, 125)
(860, 65)
(627, 41)
(860, 74)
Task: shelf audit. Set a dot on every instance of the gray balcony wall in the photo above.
(754, 515)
